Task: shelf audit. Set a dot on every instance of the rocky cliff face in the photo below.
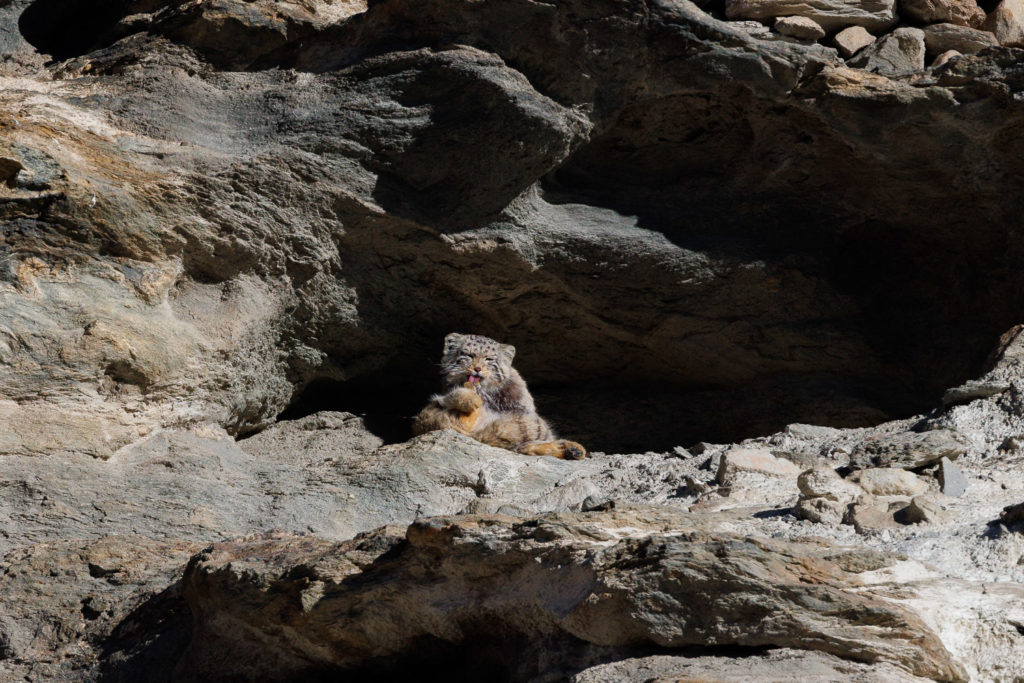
(234, 233)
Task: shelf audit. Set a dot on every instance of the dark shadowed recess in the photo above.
(68, 28)
(155, 643)
(627, 417)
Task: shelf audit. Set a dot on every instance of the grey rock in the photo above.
(972, 389)
(821, 510)
(895, 54)
(869, 516)
(951, 479)
(876, 15)
(907, 450)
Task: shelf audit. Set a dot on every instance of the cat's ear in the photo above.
(453, 341)
(508, 352)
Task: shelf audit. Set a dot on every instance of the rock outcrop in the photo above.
(234, 234)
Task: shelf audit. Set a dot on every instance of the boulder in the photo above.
(890, 481)
(824, 482)
(925, 509)
(852, 39)
(951, 479)
(939, 38)
(959, 12)
(1006, 22)
(799, 27)
(869, 515)
(895, 54)
(757, 460)
(370, 605)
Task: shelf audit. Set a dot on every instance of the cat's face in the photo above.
(480, 361)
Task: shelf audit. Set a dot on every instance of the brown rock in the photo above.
(1006, 21)
(799, 27)
(960, 12)
(850, 40)
(297, 603)
(945, 57)
(940, 38)
(776, 665)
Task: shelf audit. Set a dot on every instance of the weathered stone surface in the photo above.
(890, 481)
(61, 599)
(876, 15)
(852, 39)
(899, 52)
(217, 212)
(951, 479)
(972, 389)
(959, 12)
(1006, 22)
(870, 516)
(907, 450)
(821, 510)
(925, 509)
(799, 27)
(945, 57)
(824, 496)
(776, 665)
(823, 482)
(939, 38)
(759, 460)
(455, 578)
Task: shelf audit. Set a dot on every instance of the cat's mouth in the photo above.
(475, 377)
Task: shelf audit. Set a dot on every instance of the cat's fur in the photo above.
(486, 399)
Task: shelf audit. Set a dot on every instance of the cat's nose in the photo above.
(476, 369)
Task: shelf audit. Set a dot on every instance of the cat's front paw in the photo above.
(463, 400)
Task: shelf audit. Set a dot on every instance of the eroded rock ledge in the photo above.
(691, 231)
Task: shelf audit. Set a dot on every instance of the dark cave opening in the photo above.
(67, 28)
(626, 417)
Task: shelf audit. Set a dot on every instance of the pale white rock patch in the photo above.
(890, 481)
